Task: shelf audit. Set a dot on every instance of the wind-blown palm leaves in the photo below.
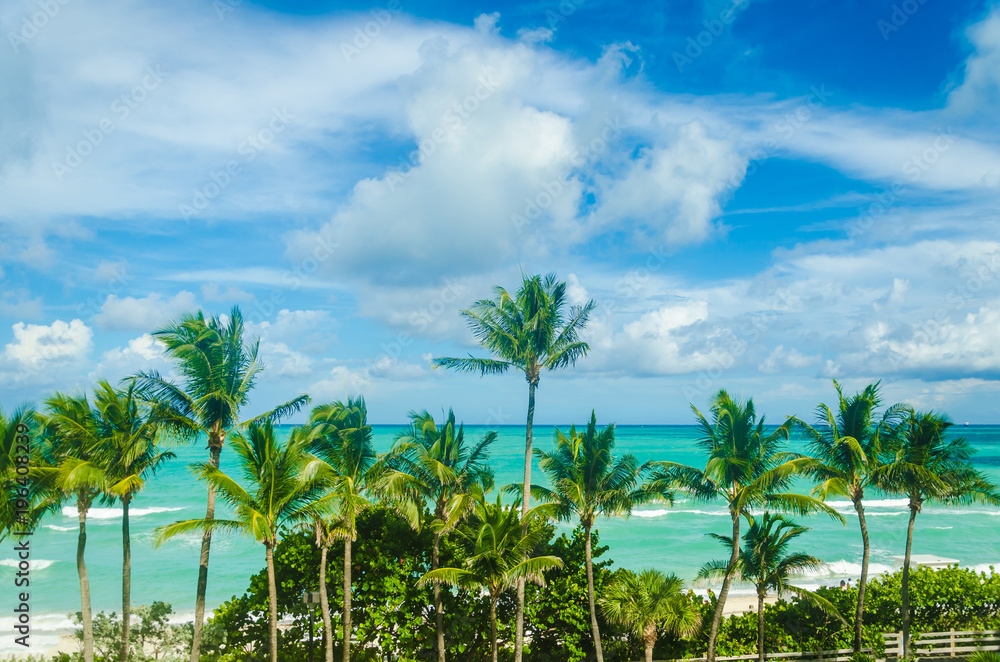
(529, 332)
(339, 435)
(647, 602)
(279, 492)
(851, 450)
(502, 544)
(23, 503)
(927, 467)
(764, 561)
(434, 465)
(128, 454)
(70, 468)
(588, 481)
(746, 467)
(219, 366)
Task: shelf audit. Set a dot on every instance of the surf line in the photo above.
(22, 550)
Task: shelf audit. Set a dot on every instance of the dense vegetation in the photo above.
(429, 562)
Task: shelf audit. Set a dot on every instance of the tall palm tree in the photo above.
(278, 493)
(765, 561)
(219, 367)
(129, 432)
(647, 602)
(502, 543)
(70, 468)
(340, 436)
(748, 469)
(852, 450)
(588, 481)
(927, 467)
(529, 331)
(23, 503)
(433, 465)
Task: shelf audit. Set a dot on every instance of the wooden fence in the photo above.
(938, 644)
(951, 644)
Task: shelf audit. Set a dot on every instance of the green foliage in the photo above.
(388, 609)
(152, 637)
(558, 616)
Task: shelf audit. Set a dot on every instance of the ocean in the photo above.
(672, 539)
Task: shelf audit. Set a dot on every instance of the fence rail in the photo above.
(948, 644)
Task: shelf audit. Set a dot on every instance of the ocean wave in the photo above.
(844, 568)
(942, 528)
(872, 503)
(60, 528)
(115, 513)
(35, 564)
(665, 511)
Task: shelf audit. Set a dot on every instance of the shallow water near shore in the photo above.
(668, 538)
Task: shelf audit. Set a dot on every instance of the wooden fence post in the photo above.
(951, 641)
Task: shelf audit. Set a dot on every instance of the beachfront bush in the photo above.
(151, 637)
(389, 612)
(558, 615)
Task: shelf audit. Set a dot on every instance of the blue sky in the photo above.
(760, 196)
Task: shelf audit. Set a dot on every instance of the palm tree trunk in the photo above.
(272, 602)
(126, 581)
(724, 591)
(81, 569)
(649, 640)
(493, 626)
(347, 600)
(862, 583)
(525, 499)
(590, 595)
(438, 605)
(760, 627)
(324, 603)
(906, 583)
(206, 545)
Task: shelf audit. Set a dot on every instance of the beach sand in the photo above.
(743, 603)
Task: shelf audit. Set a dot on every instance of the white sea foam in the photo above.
(115, 513)
(942, 528)
(60, 528)
(35, 564)
(871, 503)
(843, 568)
(666, 511)
(985, 567)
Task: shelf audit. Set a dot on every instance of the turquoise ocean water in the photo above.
(672, 539)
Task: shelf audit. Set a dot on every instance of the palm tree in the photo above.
(647, 602)
(23, 502)
(766, 562)
(748, 469)
(926, 467)
(278, 493)
(852, 451)
(128, 453)
(588, 481)
(432, 464)
(339, 435)
(219, 368)
(502, 543)
(528, 332)
(70, 468)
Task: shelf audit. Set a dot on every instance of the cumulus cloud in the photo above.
(38, 350)
(141, 353)
(143, 314)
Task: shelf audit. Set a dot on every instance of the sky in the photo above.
(760, 196)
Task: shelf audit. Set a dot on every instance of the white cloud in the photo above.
(141, 353)
(979, 91)
(144, 314)
(213, 292)
(782, 359)
(38, 350)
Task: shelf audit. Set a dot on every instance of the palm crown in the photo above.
(529, 331)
